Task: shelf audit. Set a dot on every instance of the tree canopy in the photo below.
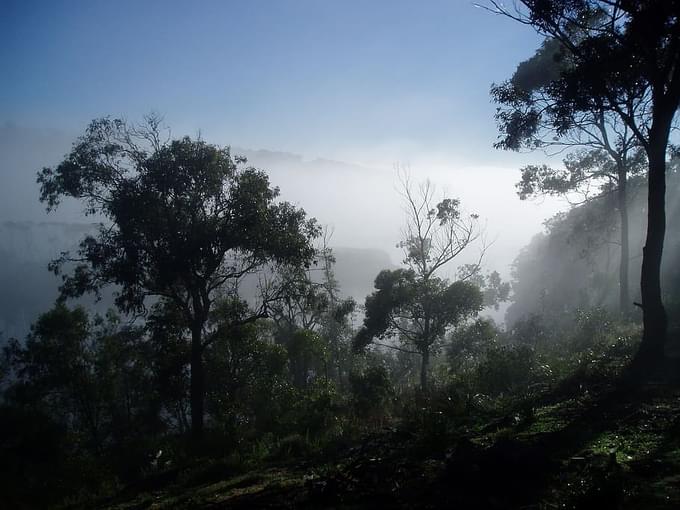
(621, 59)
(183, 221)
(414, 304)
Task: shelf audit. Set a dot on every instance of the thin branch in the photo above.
(401, 349)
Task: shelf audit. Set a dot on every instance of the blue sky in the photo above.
(370, 83)
(351, 80)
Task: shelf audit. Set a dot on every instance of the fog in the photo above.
(340, 254)
(326, 101)
(360, 205)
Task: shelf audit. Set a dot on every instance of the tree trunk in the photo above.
(424, 367)
(624, 299)
(653, 313)
(197, 381)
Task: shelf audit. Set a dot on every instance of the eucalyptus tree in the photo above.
(182, 221)
(623, 60)
(413, 303)
(419, 311)
(602, 151)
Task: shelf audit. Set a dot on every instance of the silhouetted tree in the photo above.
(185, 221)
(91, 375)
(623, 58)
(572, 264)
(531, 115)
(419, 311)
(413, 303)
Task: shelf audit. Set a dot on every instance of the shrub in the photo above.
(508, 370)
(292, 446)
(318, 408)
(371, 391)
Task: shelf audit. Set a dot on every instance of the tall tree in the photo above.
(419, 311)
(183, 221)
(585, 170)
(414, 303)
(624, 59)
(531, 116)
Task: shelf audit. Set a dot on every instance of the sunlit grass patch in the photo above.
(627, 445)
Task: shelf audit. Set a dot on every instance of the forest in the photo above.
(210, 346)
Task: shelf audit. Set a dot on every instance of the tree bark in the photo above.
(197, 381)
(654, 318)
(424, 367)
(624, 294)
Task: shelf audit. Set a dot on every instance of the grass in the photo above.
(605, 449)
(239, 490)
